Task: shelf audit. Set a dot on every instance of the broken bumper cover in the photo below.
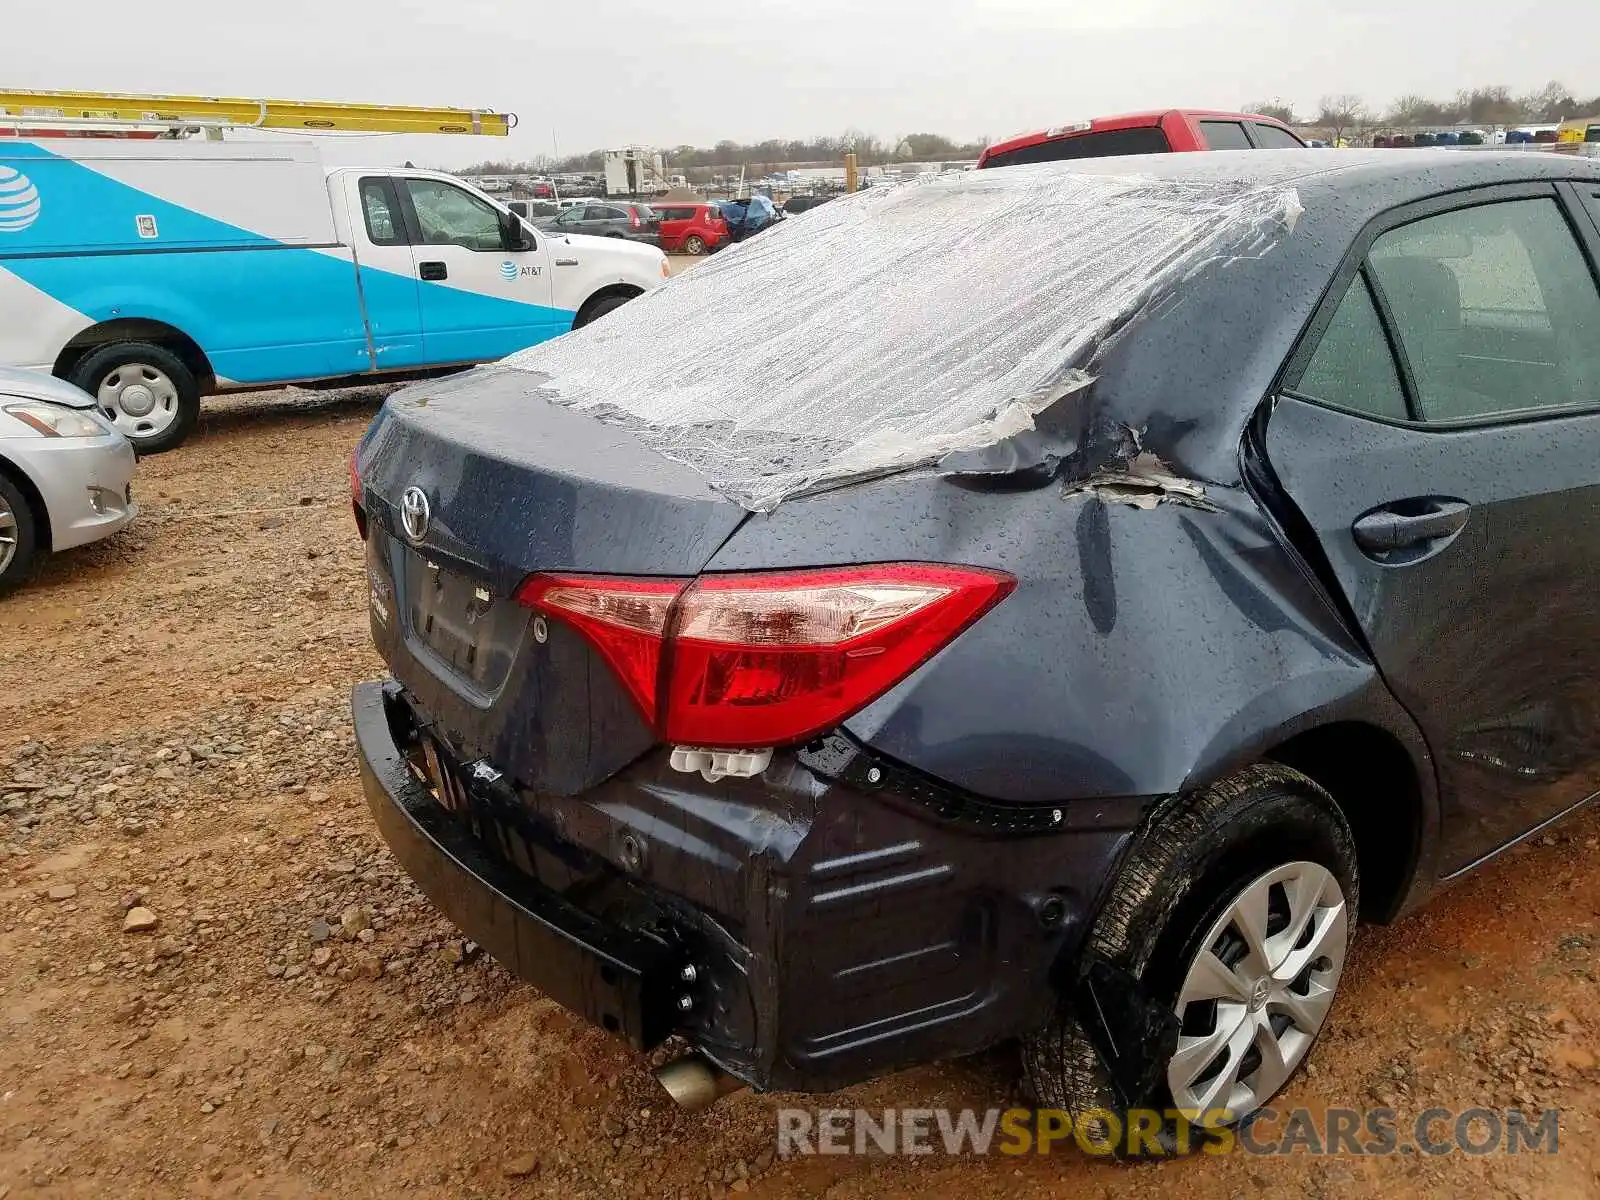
(620, 980)
(831, 931)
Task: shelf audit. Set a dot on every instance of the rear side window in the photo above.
(602, 212)
(1274, 137)
(1224, 135)
(1352, 367)
(381, 211)
(1495, 309)
(677, 214)
(1146, 139)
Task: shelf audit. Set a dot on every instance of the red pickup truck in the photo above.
(1144, 133)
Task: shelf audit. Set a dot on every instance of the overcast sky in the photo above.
(664, 72)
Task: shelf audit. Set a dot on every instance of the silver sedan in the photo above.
(66, 474)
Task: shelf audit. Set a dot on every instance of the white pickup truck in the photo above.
(152, 273)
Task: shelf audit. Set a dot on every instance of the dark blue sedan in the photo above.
(1108, 585)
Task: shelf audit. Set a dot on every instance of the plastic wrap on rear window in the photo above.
(887, 329)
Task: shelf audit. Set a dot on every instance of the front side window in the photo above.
(449, 216)
(1275, 137)
(1494, 308)
(1224, 135)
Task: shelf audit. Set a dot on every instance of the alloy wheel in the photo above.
(8, 535)
(1257, 992)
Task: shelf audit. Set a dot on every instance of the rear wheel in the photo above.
(1234, 911)
(694, 244)
(145, 390)
(18, 536)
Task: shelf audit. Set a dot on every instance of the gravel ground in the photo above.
(216, 981)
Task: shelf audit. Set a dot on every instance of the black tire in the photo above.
(596, 309)
(98, 366)
(1193, 858)
(24, 527)
(694, 245)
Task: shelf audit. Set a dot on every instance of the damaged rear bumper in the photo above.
(801, 929)
(617, 978)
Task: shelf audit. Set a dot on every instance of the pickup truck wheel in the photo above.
(694, 244)
(1234, 911)
(18, 536)
(599, 308)
(146, 391)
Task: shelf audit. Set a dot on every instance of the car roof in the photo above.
(1153, 306)
(1171, 374)
(1133, 120)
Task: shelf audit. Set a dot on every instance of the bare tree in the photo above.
(1276, 109)
(1552, 102)
(1486, 106)
(1340, 113)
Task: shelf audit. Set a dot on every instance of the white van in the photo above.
(151, 273)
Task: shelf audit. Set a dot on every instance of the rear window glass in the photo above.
(1224, 135)
(1146, 139)
(1064, 258)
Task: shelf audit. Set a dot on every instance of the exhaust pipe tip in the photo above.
(694, 1084)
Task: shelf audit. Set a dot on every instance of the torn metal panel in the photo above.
(1145, 482)
(896, 327)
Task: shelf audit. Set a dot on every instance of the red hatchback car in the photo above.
(696, 228)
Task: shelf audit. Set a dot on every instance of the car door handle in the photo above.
(1409, 523)
(433, 270)
(566, 262)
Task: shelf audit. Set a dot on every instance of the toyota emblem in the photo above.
(415, 513)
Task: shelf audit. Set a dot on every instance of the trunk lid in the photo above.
(510, 486)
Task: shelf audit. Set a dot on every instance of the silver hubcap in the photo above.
(139, 399)
(1258, 991)
(8, 535)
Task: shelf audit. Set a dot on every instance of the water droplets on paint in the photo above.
(19, 201)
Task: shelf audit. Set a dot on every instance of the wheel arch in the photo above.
(30, 492)
(627, 291)
(137, 329)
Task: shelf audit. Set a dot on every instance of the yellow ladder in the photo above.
(32, 108)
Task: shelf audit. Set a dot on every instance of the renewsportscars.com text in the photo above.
(1019, 1131)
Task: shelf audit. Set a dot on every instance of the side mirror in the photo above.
(514, 234)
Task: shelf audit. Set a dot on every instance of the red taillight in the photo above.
(625, 619)
(633, 214)
(764, 659)
(356, 495)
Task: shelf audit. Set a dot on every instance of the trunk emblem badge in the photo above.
(415, 513)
